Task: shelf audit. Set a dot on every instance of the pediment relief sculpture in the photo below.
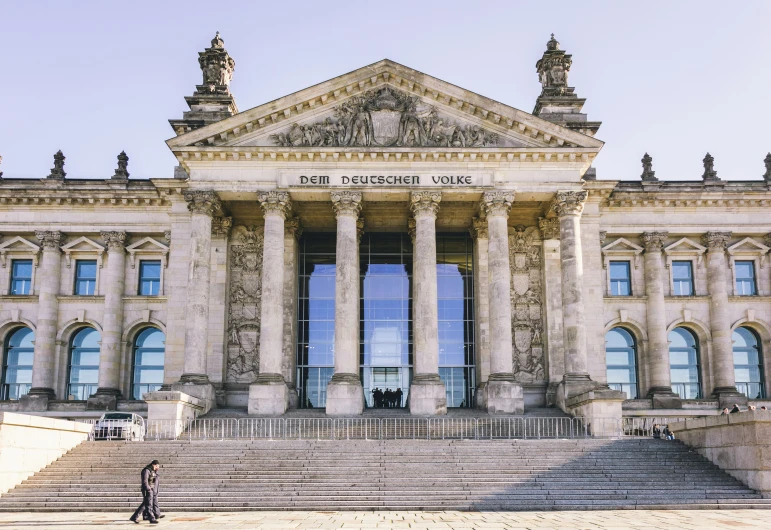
(385, 118)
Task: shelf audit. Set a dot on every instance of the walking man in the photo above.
(149, 478)
(154, 511)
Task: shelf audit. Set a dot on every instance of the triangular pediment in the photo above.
(384, 105)
(82, 244)
(748, 246)
(622, 245)
(685, 246)
(147, 246)
(18, 245)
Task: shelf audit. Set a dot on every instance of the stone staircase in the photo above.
(240, 475)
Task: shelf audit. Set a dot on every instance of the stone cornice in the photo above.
(114, 240)
(204, 202)
(346, 202)
(275, 202)
(425, 202)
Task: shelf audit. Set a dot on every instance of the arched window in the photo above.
(684, 363)
(748, 363)
(84, 364)
(621, 361)
(149, 351)
(17, 364)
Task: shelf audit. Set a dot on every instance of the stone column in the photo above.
(292, 233)
(502, 393)
(660, 384)
(44, 360)
(427, 392)
(720, 325)
(568, 206)
(345, 394)
(216, 362)
(194, 381)
(552, 286)
(268, 395)
(481, 306)
(108, 392)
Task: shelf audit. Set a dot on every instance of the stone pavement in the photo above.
(588, 520)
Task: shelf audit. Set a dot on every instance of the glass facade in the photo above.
(85, 277)
(21, 276)
(621, 361)
(620, 278)
(748, 363)
(149, 278)
(684, 363)
(455, 293)
(149, 352)
(84, 364)
(745, 278)
(682, 278)
(17, 365)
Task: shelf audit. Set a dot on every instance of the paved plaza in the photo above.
(588, 520)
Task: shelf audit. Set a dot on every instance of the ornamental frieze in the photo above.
(385, 118)
(245, 291)
(526, 305)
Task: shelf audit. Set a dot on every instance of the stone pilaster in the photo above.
(268, 395)
(216, 356)
(480, 236)
(194, 381)
(44, 361)
(108, 392)
(292, 233)
(720, 324)
(345, 395)
(502, 394)
(660, 384)
(552, 285)
(427, 393)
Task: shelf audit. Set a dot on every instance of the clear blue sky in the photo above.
(673, 78)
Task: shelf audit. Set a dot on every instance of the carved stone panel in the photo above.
(526, 300)
(245, 291)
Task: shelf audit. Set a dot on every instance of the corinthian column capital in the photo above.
(220, 226)
(425, 202)
(346, 202)
(653, 241)
(569, 202)
(550, 228)
(715, 240)
(496, 203)
(115, 240)
(49, 239)
(202, 201)
(293, 227)
(478, 228)
(275, 202)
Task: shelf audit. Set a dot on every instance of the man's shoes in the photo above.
(134, 520)
(161, 516)
(154, 521)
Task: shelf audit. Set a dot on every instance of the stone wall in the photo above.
(29, 443)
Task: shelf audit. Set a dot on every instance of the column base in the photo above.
(268, 395)
(345, 395)
(503, 395)
(36, 400)
(480, 396)
(428, 396)
(573, 385)
(728, 396)
(104, 399)
(197, 386)
(662, 397)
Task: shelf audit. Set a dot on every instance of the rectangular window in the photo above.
(620, 278)
(85, 277)
(745, 278)
(21, 276)
(149, 278)
(682, 278)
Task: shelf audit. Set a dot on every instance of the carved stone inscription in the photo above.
(244, 307)
(385, 118)
(526, 304)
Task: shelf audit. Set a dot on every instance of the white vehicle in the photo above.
(120, 426)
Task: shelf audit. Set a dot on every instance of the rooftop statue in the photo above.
(217, 65)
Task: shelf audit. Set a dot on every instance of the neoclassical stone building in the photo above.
(384, 230)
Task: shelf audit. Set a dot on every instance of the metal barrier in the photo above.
(484, 428)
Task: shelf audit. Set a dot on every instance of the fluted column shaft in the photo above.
(658, 343)
(481, 298)
(569, 205)
(722, 345)
(425, 314)
(496, 206)
(112, 329)
(49, 274)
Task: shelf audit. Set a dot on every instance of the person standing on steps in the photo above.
(149, 476)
